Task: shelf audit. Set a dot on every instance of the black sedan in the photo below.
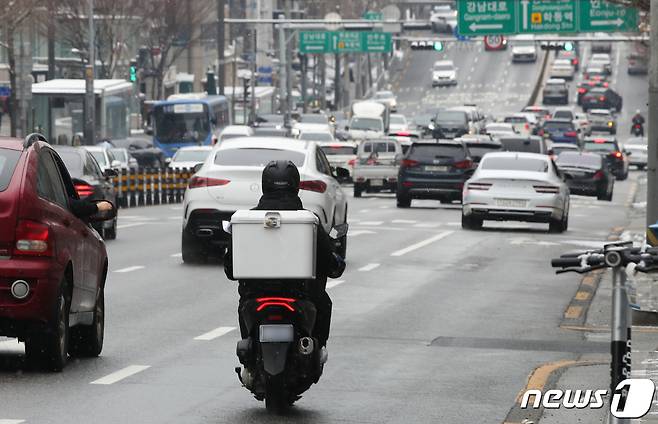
(608, 148)
(601, 98)
(587, 174)
(434, 171)
(91, 183)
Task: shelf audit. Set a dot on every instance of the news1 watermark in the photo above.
(631, 399)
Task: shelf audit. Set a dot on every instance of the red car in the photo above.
(52, 264)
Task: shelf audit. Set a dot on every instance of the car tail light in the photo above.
(403, 133)
(574, 61)
(464, 164)
(478, 186)
(527, 126)
(618, 155)
(598, 175)
(32, 238)
(351, 162)
(409, 163)
(599, 140)
(582, 90)
(313, 185)
(605, 84)
(84, 190)
(196, 182)
(546, 189)
(285, 302)
(407, 184)
(602, 99)
(571, 134)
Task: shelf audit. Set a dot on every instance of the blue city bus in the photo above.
(188, 120)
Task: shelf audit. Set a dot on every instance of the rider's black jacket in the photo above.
(638, 119)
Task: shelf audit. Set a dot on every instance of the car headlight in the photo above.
(610, 124)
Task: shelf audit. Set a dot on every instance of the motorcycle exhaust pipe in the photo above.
(306, 345)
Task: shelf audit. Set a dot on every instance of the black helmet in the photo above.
(281, 176)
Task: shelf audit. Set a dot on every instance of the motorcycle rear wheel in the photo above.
(277, 400)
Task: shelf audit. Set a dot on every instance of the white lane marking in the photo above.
(359, 233)
(403, 221)
(121, 374)
(177, 255)
(385, 207)
(364, 210)
(176, 208)
(422, 243)
(217, 332)
(368, 267)
(135, 224)
(371, 223)
(332, 284)
(129, 269)
(428, 225)
(6, 421)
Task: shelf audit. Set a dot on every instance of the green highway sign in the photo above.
(324, 42)
(314, 41)
(596, 15)
(373, 16)
(489, 17)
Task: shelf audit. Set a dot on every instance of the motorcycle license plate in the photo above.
(276, 333)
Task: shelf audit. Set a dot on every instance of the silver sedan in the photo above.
(511, 186)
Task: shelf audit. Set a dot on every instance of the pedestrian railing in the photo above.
(151, 186)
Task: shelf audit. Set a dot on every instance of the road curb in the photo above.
(543, 377)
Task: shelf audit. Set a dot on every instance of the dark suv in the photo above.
(608, 148)
(52, 264)
(434, 171)
(602, 98)
(448, 124)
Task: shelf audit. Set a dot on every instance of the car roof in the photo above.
(563, 109)
(567, 145)
(443, 62)
(560, 120)
(556, 81)
(12, 143)
(336, 143)
(579, 153)
(236, 129)
(518, 155)
(256, 142)
(198, 148)
(600, 111)
(95, 148)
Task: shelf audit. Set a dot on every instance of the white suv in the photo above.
(230, 179)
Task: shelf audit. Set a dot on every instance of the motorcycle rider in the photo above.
(280, 185)
(638, 119)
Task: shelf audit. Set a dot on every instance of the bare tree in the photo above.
(13, 15)
(640, 4)
(170, 27)
(114, 22)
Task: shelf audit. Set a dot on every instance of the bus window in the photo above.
(180, 123)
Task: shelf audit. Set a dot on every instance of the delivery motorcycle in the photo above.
(637, 129)
(280, 358)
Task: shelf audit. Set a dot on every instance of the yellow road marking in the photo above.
(573, 312)
(582, 295)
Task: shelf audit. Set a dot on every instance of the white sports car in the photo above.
(230, 179)
(511, 186)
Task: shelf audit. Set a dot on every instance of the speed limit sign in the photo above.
(494, 42)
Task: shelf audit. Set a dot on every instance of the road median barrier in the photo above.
(151, 186)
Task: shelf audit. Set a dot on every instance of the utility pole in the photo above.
(323, 79)
(652, 174)
(90, 110)
(288, 53)
(252, 115)
(304, 66)
(221, 74)
(283, 103)
(337, 84)
(51, 41)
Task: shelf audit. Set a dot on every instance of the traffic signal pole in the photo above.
(652, 160)
(90, 109)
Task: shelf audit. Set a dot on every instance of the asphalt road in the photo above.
(431, 323)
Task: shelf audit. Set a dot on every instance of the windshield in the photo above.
(579, 160)
(73, 162)
(182, 123)
(563, 114)
(599, 147)
(514, 164)
(374, 124)
(528, 145)
(443, 67)
(560, 126)
(479, 150)
(8, 161)
(425, 152)
(120, 154)
(316, 136)
(338, 150)
(191, 155)
(312, 118)
(258, 157)
(384, 95)
(451, 117)
(100, 158)
(398, 120)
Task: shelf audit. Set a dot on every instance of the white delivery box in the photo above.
(274, 244)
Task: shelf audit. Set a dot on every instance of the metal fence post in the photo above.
(620, 340)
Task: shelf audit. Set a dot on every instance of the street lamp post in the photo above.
(90, 109)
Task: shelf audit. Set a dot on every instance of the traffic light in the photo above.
(133, 71)
(427, 45)
(558, 45)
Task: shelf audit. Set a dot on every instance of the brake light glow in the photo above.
(605, 84)
(574, 61)
(403, 133)
(84, 190)
(599, 140)
(32, 238)
(478, 186)
(617, 155)
(196, 182)
(409, 163)
(313, 185)
(351, 162)
(464, 164)
(275, 301)
(582, 90)
(571, 134)
(602, 99)
(546, 189)
(527, 126)
(598, 175)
